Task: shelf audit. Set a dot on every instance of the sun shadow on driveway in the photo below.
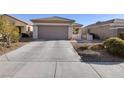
(102, 61)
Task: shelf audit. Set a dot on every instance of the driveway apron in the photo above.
(45, 59)
(43, 51)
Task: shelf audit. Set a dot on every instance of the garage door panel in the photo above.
(53, 32)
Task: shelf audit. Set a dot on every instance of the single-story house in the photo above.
(105, 29)
(53, 28)
(23, 27)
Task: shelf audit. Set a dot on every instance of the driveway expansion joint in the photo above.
(55, 69)
(95, 70)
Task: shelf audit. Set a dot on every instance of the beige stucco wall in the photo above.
(35, 32)
(84, 34)
(70, 32)
(104, 31)
(84, 31)
(31, 27)
(80, 32)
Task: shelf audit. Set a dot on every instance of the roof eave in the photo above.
(16, 19)
(50, 21)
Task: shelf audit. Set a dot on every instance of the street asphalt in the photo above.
(54, 59)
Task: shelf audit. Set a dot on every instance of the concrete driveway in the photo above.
(54, 59)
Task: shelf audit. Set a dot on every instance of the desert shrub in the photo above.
(91, 47)
(84, 47)
(115, 46)
(8, 31)
(15, 35)
(97, 47)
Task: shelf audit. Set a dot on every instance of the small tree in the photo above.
(14, 35)
(8, 30)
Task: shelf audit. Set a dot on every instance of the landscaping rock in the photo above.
(89, 53)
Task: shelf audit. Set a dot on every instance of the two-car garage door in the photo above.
(53, 32)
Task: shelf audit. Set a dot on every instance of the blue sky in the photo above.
(84, 19)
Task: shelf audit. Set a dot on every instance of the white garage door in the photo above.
(53, 32)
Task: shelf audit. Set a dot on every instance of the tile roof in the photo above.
(106, 22)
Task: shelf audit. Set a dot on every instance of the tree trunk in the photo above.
(8, 41)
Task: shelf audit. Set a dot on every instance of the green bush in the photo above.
(15, 35)
(8, 31)
(115, 46)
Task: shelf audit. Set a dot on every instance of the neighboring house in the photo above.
(105, 29)
(53, 28)
(21, 25)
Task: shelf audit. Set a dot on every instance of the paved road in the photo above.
(54, 59)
